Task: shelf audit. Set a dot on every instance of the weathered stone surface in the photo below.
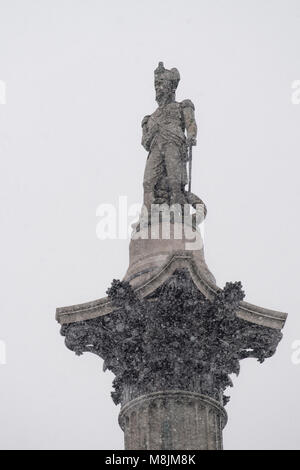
(166, 267)
(168, 133)
(173, 420)
(151, 250)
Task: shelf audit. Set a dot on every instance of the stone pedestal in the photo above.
(173, 420)
(150, 250)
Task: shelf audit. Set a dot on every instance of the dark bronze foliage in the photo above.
(174, 339)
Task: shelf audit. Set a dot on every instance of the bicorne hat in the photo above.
(169, 75)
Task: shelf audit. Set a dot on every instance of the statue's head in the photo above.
(165, 83)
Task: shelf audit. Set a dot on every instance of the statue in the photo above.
(168, 135)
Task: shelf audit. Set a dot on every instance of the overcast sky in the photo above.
(79, 79)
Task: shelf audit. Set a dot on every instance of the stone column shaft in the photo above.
(173, 420)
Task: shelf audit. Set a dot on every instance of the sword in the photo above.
(190, 156)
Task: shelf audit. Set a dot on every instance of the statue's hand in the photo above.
(191, 141)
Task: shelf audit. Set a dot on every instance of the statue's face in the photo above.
(163, 90)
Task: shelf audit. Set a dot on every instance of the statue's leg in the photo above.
(153, 172)
(173, 159)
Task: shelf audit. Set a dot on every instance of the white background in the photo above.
(79, 77)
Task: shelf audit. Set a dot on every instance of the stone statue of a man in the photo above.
(167, 134)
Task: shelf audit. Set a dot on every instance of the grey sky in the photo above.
(79, 77)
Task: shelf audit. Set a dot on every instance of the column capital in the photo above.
(174, 339)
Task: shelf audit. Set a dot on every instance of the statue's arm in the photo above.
(146, 138)
(188, 110)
